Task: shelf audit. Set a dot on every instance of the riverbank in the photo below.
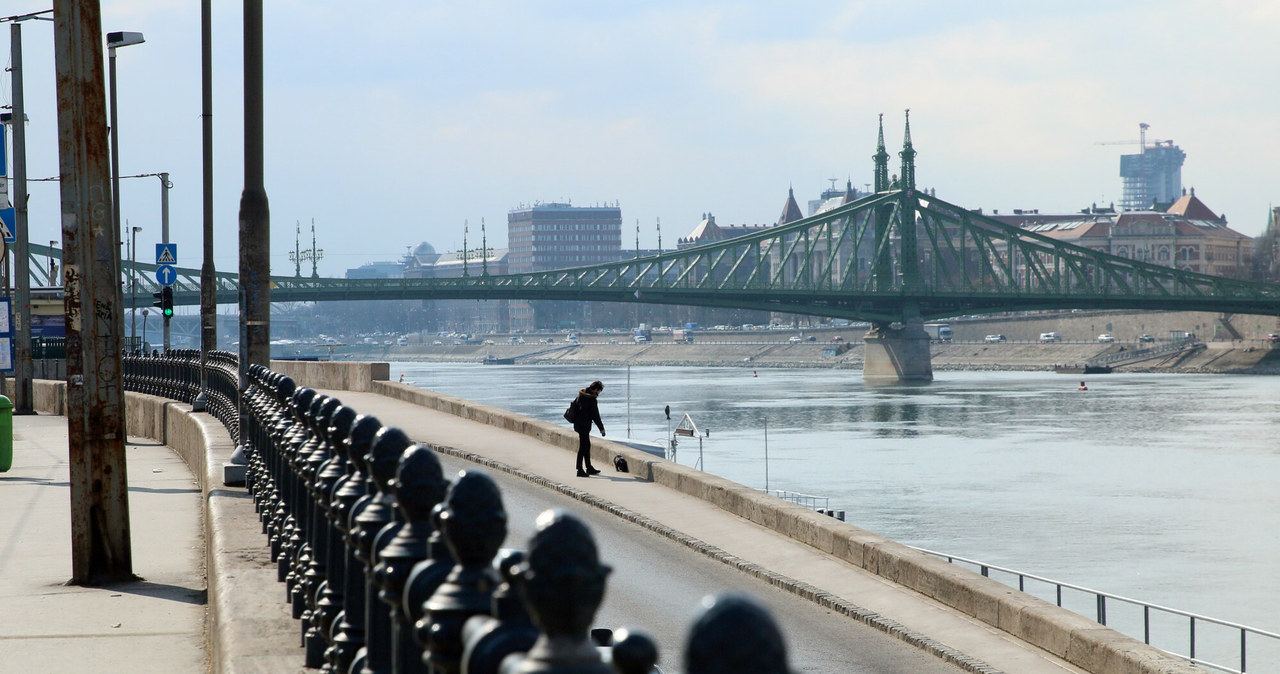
(1216, 357)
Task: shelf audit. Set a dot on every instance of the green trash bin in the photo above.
(6, 434)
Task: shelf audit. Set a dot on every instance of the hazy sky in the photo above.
(392, 125)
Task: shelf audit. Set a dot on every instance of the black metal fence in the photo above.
(393, 568)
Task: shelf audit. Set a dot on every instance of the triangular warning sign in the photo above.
(166, 256)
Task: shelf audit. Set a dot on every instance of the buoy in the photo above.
(1083, 387)
(754, 373)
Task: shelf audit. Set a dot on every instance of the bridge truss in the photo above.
(892, 256)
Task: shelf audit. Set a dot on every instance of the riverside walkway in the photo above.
(156, 624)
(49, 627)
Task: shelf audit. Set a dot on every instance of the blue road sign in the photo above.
(8, 226)
(166, 274)
(166, 253)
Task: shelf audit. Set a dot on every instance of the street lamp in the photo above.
(141, 350)
(116, 39)
(133, 287)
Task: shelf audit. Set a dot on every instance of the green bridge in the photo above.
(895, 258)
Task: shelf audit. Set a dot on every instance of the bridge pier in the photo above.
(897, 356)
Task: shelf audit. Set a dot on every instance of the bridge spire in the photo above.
(464, 248)
(296, 256)
(881, 158)
(484, 251)
(908, 155)
(317, 254)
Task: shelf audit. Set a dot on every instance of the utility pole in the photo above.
(255, 219)
(208, 280)
(22, 369)
(100, 538)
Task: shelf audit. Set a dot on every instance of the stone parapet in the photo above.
(345, 376)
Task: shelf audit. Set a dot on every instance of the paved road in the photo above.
(656, 586)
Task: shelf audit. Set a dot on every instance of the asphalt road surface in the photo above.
(657, 586)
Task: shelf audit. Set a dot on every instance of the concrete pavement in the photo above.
(155, 624)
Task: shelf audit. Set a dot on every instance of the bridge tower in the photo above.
(897, 352)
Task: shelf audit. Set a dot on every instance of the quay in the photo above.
(230, 616)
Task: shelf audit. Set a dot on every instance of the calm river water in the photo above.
(1162, 488)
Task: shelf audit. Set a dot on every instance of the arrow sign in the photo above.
(166, 253)
(166, 274)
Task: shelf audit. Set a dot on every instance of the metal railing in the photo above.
(1147, 353)
(392, 566)
(1100, 602)
(809, 501)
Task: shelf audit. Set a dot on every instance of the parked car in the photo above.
(1273, 338)
(1146, 338)
(993, 339)
(1106, 338)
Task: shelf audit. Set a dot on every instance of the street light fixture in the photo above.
(114, 40)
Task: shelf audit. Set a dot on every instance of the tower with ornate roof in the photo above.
(791, 210)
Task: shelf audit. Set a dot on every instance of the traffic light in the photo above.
(164, 301)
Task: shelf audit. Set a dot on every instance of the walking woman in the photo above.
(587, 414)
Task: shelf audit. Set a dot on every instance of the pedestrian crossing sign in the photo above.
(166, 253)
(7, 228)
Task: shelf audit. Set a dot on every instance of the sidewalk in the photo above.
(152, 625)
(913, 617)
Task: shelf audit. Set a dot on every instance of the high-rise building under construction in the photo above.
(1152, 177)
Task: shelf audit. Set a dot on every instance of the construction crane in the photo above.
(1142, 139)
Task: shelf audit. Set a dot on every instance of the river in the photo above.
(1163, 488)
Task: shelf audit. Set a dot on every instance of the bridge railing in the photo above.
(392, 567)
(1193, 645)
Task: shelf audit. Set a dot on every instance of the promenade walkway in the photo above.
(158, 624)
(155, 624)
(781, 560)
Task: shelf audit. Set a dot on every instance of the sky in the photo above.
(399, 124)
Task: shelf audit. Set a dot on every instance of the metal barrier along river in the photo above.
(390, 567)
(1100, 599)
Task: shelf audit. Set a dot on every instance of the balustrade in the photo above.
(392, 568)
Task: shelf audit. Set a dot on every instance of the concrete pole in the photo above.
(164, 234)
(208, 278)
(100, 536)
(22, 370)
(255, 225)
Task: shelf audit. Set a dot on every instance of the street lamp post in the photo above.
(142, 349)
(165, 184)
(114, 40)
(133, 287)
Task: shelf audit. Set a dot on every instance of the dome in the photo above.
(424, 248)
